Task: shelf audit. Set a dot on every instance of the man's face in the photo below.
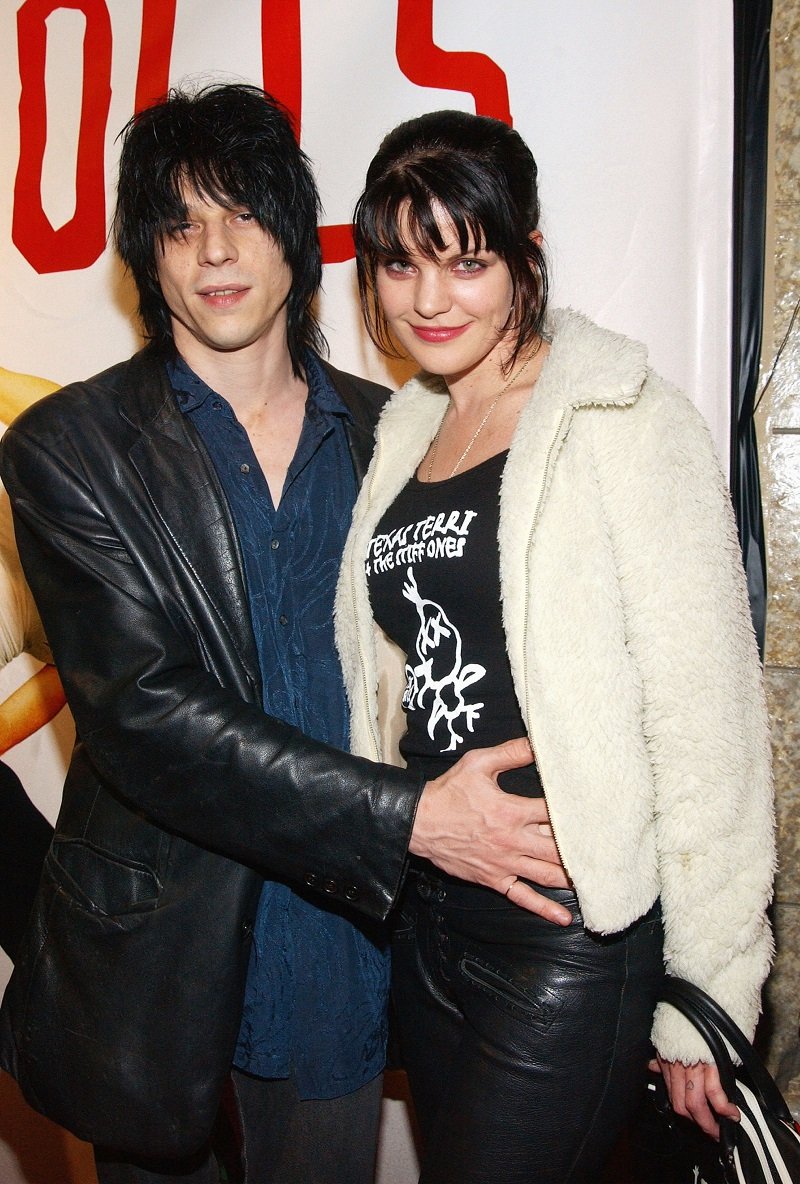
(225, 282)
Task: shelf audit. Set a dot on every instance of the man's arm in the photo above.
(193, 755)
(469, 827)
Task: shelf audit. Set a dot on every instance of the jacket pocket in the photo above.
(100, 881)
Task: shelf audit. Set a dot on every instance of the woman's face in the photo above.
(448, 312)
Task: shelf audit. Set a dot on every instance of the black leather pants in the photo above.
(526, 1044)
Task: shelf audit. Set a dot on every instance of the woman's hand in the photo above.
(695, 1092)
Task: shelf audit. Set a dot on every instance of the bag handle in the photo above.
(674, 992)
(700, 1009)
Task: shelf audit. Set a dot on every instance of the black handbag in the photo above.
(763, 1148)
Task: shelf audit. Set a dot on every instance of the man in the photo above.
(180, 518)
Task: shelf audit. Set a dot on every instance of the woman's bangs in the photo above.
(412, 222)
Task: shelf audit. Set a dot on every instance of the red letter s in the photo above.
(426, 64)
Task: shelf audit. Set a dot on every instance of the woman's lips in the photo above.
(438, 334)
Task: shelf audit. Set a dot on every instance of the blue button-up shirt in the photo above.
(315, 1003)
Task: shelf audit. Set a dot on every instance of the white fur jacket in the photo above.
(631, 650)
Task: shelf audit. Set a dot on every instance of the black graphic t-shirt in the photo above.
(434, 581)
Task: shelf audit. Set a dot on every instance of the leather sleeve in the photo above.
(165, 733)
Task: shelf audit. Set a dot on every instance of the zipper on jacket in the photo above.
(554, 443)
(353, 560)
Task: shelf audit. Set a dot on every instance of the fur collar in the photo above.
(587, 366)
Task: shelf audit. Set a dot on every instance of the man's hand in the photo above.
(695, 1092)
(470, 828)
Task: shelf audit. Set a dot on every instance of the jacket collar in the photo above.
(145, 397)
(589, 366)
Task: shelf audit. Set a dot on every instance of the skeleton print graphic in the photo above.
(440, 672)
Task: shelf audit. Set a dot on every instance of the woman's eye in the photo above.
(397, 266)
(470, 266)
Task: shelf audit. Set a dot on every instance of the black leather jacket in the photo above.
(121, 1017)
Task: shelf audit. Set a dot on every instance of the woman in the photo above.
(545, 545)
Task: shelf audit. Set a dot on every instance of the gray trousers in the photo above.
(283, 1140)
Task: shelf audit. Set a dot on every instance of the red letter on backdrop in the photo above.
(80, 241)
(426, 64)
(282, 68)
(155, 52)
(281, 63)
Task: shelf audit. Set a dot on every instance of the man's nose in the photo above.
(217, 245)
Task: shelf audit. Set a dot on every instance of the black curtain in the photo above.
(751, 124)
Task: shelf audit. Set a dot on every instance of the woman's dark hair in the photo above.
(477, 172)
(235, 145)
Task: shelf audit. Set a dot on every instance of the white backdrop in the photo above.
(626, 104)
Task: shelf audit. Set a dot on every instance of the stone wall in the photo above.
(779, 424)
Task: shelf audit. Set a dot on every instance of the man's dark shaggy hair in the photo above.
(233, 144)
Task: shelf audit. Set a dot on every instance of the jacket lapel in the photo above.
(364, 411)
(185, 494)
(587, 367)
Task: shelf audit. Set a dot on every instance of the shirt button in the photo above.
(331, 887)
(244, 468)
(284, 620)
(351, 892)
(217, 405)
(275, 544)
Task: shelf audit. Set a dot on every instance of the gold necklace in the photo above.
(481, 425)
